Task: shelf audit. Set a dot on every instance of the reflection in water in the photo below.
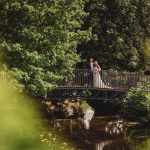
(105, 133)
(101, 145)
(116, 127)
(88, 115)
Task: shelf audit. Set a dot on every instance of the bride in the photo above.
(97, 81)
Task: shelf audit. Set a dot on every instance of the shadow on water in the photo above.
(105, 133)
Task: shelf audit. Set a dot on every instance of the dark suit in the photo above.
(90, 74)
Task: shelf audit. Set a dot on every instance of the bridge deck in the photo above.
(90, 88)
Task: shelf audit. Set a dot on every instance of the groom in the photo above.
(90, 67)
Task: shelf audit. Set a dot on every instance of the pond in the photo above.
(105, 133)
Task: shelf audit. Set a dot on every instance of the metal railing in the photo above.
(84, 78)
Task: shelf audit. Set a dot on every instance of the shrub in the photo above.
(136, 104)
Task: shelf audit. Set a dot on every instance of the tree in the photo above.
(146, 51)
(40, 39)
(121, 28)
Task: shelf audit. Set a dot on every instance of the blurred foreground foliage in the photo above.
(20, 127)
(16, 120)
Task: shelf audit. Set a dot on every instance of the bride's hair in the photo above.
(97, 65)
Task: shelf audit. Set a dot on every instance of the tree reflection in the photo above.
(115, 127)
(101, 145)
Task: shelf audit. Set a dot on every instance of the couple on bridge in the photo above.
(95, 76)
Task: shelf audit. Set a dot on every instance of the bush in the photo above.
(136, 104)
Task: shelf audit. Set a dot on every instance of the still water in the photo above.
(105, 133)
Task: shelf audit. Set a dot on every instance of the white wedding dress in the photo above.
(97, 81)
